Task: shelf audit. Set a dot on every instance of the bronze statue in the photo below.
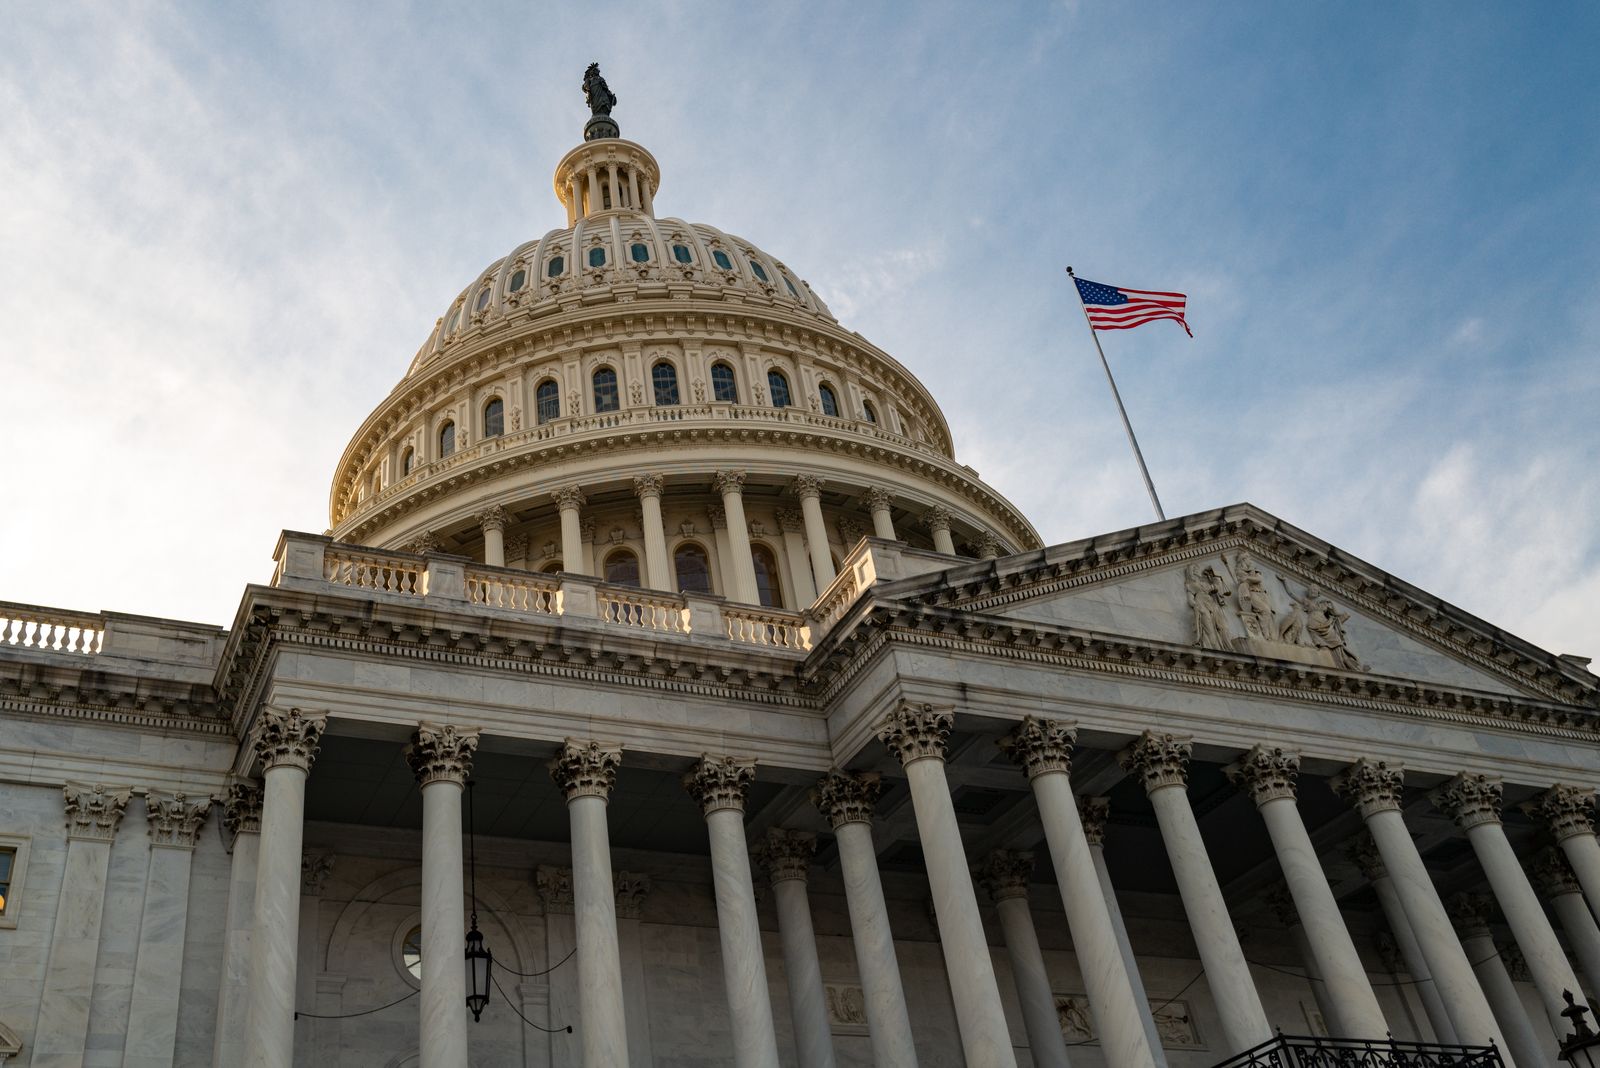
(595, 90)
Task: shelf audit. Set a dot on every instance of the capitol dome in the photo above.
(657, 403)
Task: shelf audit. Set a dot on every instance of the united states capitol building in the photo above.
(789, 740)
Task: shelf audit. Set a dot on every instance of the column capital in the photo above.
(648, 486)
(989, 546)
(568, 497)
(494, 518)
(1038, 746)
(878, 499)
(586, 528)
(554, 886)
(1093, 812)
(426, 542)
(849, 530)
(1568, 810)
(516, 545)
(1553, 874)
(289, 739)
(1470, 913)
(1281, 902)
(174, 821)
(917, 732)
(586, 769)
(1266, 773)
(806, 486)
(1372, 786)
(786, 854)
(631, 889)
(720, 782)
(94, 811)
(1362, 851)
(1005, 873)
(718, 516)
(441, 752)
(241, 808)
(936, 518)
(1160, 760)
(847, 796)
(726, 482)
(789, 520)
(1470, 800)
(314, 871)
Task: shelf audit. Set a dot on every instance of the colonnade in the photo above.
(1473, 1007)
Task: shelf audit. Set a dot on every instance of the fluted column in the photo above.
(881, 502)
(787, 856)
(286, 744)
(173, 823)
(1093, 813)
(809, 489)
(1270, 776)
(657, 568)
(1374, 787)
(61, 1033)
(1004, 877)
(1471, 913)
(918, 735)
(1363, 852)
(1042, 748)
(571, 501)
(241, 815)
(1162, 763)
(719, 785)
(792, 524)
(1557, 883)
(1569, 813)
(846, 801)
(938, 523)
(440, 756)
(493, 523)
(586, 772)
(730, 484)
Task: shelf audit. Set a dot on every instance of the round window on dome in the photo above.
(759, 270)
(640, 253)
(556, 267)
(682, 254)
(518, 280)
(411, 952)
(721, 259)
(597, 257)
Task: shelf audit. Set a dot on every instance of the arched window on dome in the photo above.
(793, 292)
(407, 459)
(869, 411)
(547, 400)
(720, 258)
(768, 589)
(682, 254)
(693, 568)
(606, 398)
(519, 278)
(556, 267)
(377, 483)
(760, 271)
(597, 256)
(483, 300)
(494, 418)
(640, 252)
(455, 320)
(830, 402)
(778, 386)
(664, 377)
(724, 387)
(447, 440)
(622, 568)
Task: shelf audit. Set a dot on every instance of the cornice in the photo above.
(81, 688)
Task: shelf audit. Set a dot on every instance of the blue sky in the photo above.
(227, 229)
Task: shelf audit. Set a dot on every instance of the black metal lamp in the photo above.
(1581, 1049)
(479, 959)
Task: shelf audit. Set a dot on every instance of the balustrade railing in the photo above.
(50, 629)
(378, 572)
(1309, 1051)
(539, 596)
(780, 630)
(633, 608)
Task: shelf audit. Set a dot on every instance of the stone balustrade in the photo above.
(50, 629)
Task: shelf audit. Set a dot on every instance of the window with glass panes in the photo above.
(724, 387)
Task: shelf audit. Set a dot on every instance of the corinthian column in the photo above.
(1569, 813)
(241, 815)
(809, 489)
(286, 744)
(657, 569)
(719, 785)
(1566, 898)
(730, 484)
(1042, 748)
(1269, 775)
(882, 505)
(1470, 913)
(440, 756)
(917, 735)
(846, 801)
(1004, 877)
(1364, 854)
(787, 855)
(938, 523)
(493, 523)
(1374, 787)
(61, 1035)
(570, 501)
(586, 772)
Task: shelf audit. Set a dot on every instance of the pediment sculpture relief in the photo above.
(1234, 610)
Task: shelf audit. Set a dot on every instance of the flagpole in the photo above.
(1137, 455)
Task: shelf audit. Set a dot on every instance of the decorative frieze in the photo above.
(1005, 873)
(1554, 874)
(554, 886)
(1039, 745)
(94, 811)
(1266, 773)
(494, 518)
(726, 482)
(917, 732)
(174, 821)
(1372, 786)
(586, 769)
(786, 854)
(1568, 810)
(847, 797)
(568, 497)
(314, 871)
(241, 808)
(1469, 799)
(631, 889)
(720, 782)
(289, 738)
(1159, 760)
(1093, 812)
(442, 752)
(805, 486)
(648, 486)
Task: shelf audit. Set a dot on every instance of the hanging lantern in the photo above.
(1581, 1049)
(479, 961)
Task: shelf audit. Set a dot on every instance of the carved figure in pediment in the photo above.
(1316, 621)
(1252, 601)
(1208, 598)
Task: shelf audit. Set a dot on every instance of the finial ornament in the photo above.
(586, 769)
(1470, 800)
(720, 782)
(289, 738)
(847, 796)
(441, 752)
(1266, 773)
(1159, 760)
(1373, 786)
(1038, 746)
(1005, 874)
(917, 732)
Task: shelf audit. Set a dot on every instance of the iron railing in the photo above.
(1309, 1051)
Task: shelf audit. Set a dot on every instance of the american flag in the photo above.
(1115, 308)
